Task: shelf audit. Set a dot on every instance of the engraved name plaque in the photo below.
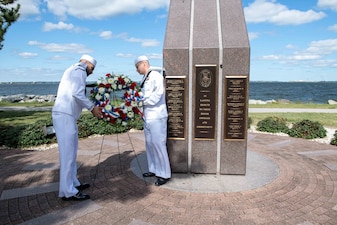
(235, 108)
(205, 99)
(175, 100)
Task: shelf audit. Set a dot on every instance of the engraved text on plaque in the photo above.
(205, 99)
(175, 100)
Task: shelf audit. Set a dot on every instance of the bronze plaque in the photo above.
(175, 100)
(205, 99)
(235, 107)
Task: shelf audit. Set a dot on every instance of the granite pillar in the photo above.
(206, 57)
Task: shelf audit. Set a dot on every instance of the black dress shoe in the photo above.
(79, 196)
(82, 186)
(149, 174)
(160, 181)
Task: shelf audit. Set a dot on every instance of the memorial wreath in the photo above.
(113, 109)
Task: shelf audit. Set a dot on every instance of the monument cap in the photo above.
(140, 59)
(90, 59)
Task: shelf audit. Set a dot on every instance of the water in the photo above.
(306, 92)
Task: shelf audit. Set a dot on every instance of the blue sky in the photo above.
(290, 40)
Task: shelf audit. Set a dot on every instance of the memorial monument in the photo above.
(206, 58)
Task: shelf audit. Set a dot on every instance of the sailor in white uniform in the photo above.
(70, 101)
(155, 121)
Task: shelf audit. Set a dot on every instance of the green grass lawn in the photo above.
(326, 119)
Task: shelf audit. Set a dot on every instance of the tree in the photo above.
(8, 15)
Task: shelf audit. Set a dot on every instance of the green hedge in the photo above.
(33, 134)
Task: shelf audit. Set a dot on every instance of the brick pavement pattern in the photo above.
(304, 192)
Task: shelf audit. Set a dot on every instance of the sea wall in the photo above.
(21, 98)
(28, 98)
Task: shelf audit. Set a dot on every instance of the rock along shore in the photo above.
(21, 98)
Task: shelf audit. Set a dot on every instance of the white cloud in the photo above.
(59, 26)
(271, 57)
(144, 42)
(290, 46)
(125, 55)
(333, 28)
(316, 54)
(27, 54)
(323, 47)
(29, 8)
(253, 35)
(100, 9)
(304, 56)
(330, 4)
(269, 11)
(54, 47)
(106, 34)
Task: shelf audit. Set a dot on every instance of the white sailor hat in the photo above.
(90, 59)
(140, 59)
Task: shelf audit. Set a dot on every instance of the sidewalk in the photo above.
(301, 187)
(251, 110)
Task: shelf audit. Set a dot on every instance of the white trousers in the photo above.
(156, 150)
(67, 138)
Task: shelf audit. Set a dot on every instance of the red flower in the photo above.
(123, 115)
(121, 81)
(108, 75)
(108, 85)
(133, 85)
(135, 110)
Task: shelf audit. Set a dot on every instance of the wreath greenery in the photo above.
(113, 109)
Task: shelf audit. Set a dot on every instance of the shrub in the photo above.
(272, 125)
(250, 121)
(307, 129)
(26, 135)
(89, 125)
(334, 139)
(33, 135)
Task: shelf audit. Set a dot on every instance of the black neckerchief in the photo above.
(145, 77)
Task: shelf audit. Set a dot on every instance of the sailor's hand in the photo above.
(97, 112)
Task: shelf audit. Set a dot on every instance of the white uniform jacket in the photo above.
(154, 96)
(71, 98)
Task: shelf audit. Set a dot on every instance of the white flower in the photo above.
(125, 110)
(140, 104)
(124, 123)
(101, 90)
(106, 95)
(120, 87)
(110, 80)
(134, 104)
(99, 81)
(113, 86)
(98, 97)
(108, 108)
(131, 114)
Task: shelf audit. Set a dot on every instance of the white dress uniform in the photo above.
(155, 124)
(70, 101)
